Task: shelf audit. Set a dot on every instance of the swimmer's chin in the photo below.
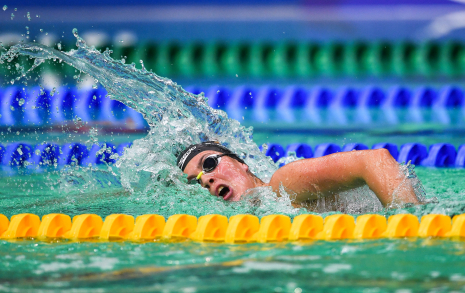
(234, 196)
(250, 194)
(237, 196)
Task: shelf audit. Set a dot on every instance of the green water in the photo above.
(387, 265)
(415, 265)
(26, 191)
(420, 265)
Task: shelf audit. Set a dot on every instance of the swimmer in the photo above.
(226, 175)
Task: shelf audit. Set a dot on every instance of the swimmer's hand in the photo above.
(330, 175)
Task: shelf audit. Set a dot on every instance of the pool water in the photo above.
(142, 183)
(413, 265)
(29, 191)
(385, 265)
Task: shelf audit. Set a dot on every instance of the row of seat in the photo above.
(23, 154)
(285, 59)
(39, 107)
(238, 229)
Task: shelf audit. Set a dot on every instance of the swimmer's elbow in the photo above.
(382, 157)
(383, 154)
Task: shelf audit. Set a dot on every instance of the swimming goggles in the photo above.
(209, 164)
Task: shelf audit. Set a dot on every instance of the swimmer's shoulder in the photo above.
(291, 174)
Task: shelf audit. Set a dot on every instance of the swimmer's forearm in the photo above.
(384, 177)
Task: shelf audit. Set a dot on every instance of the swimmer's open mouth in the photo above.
(224, 191)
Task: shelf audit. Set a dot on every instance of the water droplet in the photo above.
(29, 16)
(59, 46)
(5, 7)
(12, 16)
(41, 30)
(12, 108)
(75, 32)
(21, 102)
(16, 9)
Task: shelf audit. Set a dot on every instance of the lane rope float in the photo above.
(236, 229)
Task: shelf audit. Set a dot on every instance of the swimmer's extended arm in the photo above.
(329, 175)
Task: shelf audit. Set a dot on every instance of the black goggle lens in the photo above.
(210, 164)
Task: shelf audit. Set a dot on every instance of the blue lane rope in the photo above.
(41, 107)
(21, 154)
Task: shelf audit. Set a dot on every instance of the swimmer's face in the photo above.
(229, 180)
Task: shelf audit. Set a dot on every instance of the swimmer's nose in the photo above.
(207, 181)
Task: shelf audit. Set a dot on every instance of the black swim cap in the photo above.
(189, 153)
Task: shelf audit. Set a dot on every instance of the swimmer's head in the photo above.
(189, 153)
(218, 169)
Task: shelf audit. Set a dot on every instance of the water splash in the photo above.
(147, 171)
